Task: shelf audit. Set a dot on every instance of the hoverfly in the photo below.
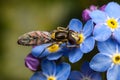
(65, 35)
(60, 35)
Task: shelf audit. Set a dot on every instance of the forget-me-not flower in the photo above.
(107, 22)
(51, 71)
(85, 73)
(86, 41)
(49, 50)
(108, 59)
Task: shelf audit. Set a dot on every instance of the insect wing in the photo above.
(34, 38)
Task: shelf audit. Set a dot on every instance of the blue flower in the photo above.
(85, 73)
(108, 59)
(86, 41)
(107, 22)
(51, 71)
(50, 50)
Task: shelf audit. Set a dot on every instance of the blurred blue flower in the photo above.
(108, 59)
(86, 41)
(85, 73)
(102, 8)
(32, 62)
(107, 22)
(86, 12)
(51, 71)
(51, 51)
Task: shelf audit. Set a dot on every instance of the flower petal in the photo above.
(85, 14)
(108, 47)
(101, 32)
(113, 72)
(75, 25)
(87, 45)
(32, 62)
(66, 51)
(75, 75)
(88, 28)
(98, 16)
(54, 56)
(113, 10)
(116, 34)
(100, 62)
(96, 76)
(85, 69)
(48, 67)
(38, 76)
(39, 50)
(63, 71)
(75, 55)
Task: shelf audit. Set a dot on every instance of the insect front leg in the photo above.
(71, 46)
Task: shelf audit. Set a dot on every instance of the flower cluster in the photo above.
(102, 26)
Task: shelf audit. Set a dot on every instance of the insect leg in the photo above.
(71, 46)
(62, 29)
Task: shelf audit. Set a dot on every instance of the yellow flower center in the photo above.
(112, 23)
(116, 58)
(81, 38)
(53, 48)
(51, 78)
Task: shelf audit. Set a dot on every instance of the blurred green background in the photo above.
(20, 16)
